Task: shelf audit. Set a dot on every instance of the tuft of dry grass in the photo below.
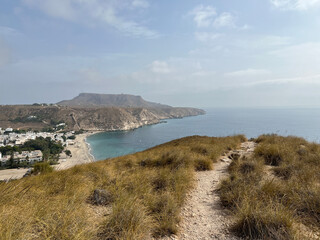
(148, 190)
(267, 206)
(129, 219)
(203, 164)
(268, 221)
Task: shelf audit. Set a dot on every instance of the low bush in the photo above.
(166, 209)
(271, 154)
(284, 172)
(203, 164)
(256, 221)
(203, 150)
(42, 167)
(129, 220)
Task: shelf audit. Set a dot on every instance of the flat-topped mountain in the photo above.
(110, 100)
(88, 111)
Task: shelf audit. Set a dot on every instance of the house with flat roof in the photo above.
(23, 157)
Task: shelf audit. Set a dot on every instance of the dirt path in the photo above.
(203, 216)
(10, 174)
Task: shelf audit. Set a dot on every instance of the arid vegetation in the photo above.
(141, 194)
(274, 194)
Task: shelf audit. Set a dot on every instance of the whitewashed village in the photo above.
(13, 139)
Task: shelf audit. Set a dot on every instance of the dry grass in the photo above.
(266, 207)
(147, 188)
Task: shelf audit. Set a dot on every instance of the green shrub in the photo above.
(203, 164)
(257, 221)
(271, 154)
(203, 150)
(42, 167)
(166, 209)
(129, 220)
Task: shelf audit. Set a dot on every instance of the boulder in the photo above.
(101, 197)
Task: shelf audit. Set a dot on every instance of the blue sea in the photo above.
(217, 122)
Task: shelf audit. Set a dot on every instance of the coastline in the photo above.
(80, 152)
(89, 149)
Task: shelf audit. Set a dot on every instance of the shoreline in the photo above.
(89, 149)
(80, 152)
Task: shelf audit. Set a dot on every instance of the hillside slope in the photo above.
(271, 189)
(143, 194)
(88, 118)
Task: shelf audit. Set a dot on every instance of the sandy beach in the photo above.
(80, 153)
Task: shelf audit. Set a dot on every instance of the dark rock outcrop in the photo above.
(101, 197)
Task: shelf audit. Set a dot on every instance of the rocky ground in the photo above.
(203, 216)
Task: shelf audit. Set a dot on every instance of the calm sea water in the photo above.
(217, 122)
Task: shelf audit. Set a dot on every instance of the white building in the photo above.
(69, 142)
(24, 156)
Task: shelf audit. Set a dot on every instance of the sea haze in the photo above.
(217, 122)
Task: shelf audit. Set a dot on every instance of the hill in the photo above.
(272, 192)
(142, 194)
(110, 100)
(87, 118)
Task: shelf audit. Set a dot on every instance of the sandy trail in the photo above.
(203, 216)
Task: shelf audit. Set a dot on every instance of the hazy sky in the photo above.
(179, 52)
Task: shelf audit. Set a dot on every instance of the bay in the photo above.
(217, 122)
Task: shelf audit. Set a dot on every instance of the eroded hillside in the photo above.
(87, 118)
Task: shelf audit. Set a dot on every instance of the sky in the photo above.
(206, 53)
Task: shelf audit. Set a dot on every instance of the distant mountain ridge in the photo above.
(90, 111)
(110, 100)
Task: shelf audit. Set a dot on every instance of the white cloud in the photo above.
(203, 73)
(299, 58)
(140, 3)
(295, 4)
(310, 50)
(207, 36)
(224, 20)
(160, 67)
(55, 8)
(245, 27)
(313, 79)
(250, 72)
(203, 15)
(207, 16)
(90, 75)
(261, 43)
(96, 11)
